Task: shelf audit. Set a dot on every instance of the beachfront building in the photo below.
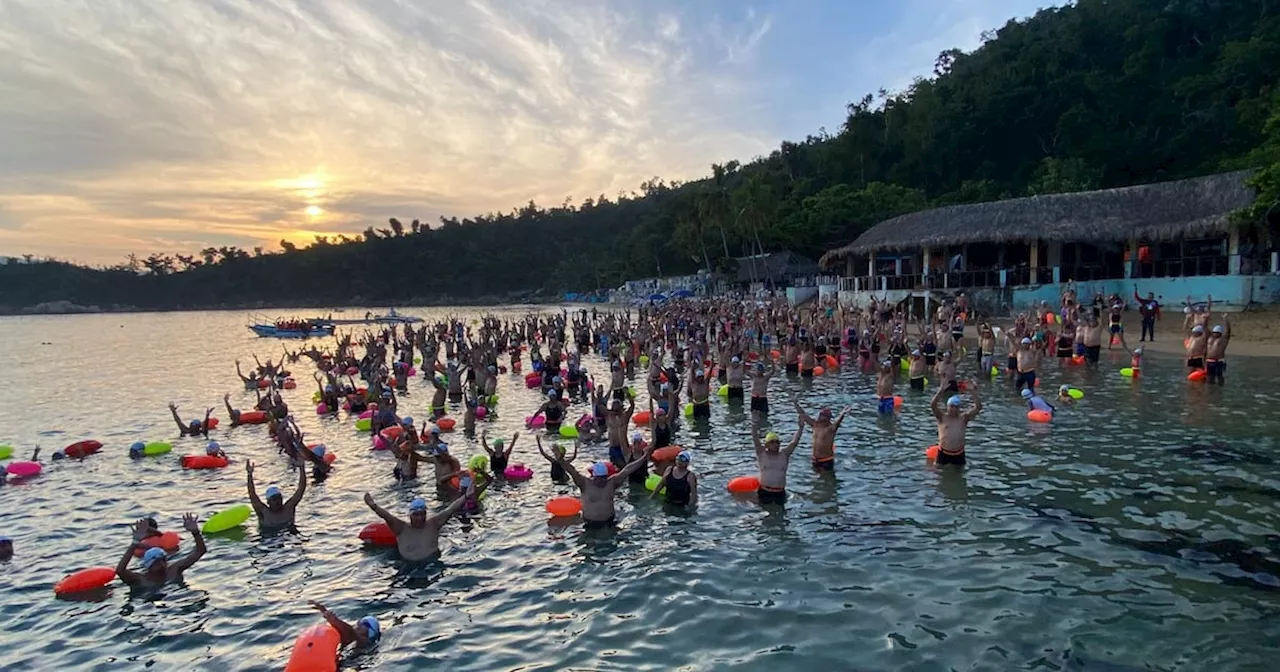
(1175, 239)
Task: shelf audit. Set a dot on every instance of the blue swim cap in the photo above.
(418, 504)
(273, 491)
(137, 447)
(954, 400)
(371, 625)
(212, 448)
(319, 450)
(149, 558)
(1026, 393)
(407, 420)
(194, 423)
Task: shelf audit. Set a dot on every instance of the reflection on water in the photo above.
(1137, 531)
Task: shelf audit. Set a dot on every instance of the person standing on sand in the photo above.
(1150, 310)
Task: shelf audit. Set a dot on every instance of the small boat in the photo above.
(392, 317)
(291, 329)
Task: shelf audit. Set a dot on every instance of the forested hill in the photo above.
(1099, 94)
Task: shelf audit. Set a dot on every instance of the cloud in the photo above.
(132, 127)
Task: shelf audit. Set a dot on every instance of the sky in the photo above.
(138, 126)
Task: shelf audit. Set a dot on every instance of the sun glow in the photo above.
(314, 211)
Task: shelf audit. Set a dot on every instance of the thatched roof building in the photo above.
(1153, 212)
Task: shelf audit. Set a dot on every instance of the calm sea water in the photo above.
(1138, 531)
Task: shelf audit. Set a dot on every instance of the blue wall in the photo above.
(1232, 292)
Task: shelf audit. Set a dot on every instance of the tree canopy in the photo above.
(1101, 93)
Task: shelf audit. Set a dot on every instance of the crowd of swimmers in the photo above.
(684, 352)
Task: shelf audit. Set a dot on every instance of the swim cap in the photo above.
(599, 469)
(371, 626)
(637, 438)
(555, 379)
(498, 443)
(824, 413)
(212, 448)
(478, 463)
(735, 359)
(328, 388)
(1064, 389)
(1026, 341)
(406, 420)
(915, 353)
(273, 491)
(1026, 393)
(137, 447)
(1217, 329)
(1198, 329)
(319, 450)
(194, 423)
(435, 429)
(700, 373)
(1187, 310)
(770, 437)
(660, 411)
(684, 456)
(149, 558)
(954, 400)
(418, 504)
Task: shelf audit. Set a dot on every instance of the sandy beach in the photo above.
(1255, 333)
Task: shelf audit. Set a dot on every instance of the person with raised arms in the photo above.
(597, 491)
(418, 538)
(772, 460)
(157, 570)
(276, 511)
(365, 634)
(952, 424)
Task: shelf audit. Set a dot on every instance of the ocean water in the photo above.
(1139, 530)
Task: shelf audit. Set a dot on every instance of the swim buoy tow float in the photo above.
(6, 452)
(1197, 376)
(24, 469)
(568, 432)
(203, 462)
(723, 391)
(666, 454)
(253, 417)
(1076, 394)
(564, 506)
(169, 541)
(1039, 416)
(533, 423)
(743, 484)
(315, 650)
(1129, 372)
(641, 419)
(518, 472)
(652, 482)
(931, 453)
(378, 534)
(446, 424)
(85, 579)
(82, 448)
(225, 520)
(818, 371)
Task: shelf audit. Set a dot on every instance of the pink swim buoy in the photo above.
(481, 412)
(24, 469)
(532, 422)
(518, 472)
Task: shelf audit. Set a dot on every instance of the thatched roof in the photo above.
(1161, 211)
(775, 266)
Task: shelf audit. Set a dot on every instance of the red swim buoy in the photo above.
(82, 448)
(378, 534)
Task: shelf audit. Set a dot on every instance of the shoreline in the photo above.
(1256, 333)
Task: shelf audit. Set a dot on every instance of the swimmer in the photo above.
(1064, 395)
(499, 455)
(418, 539)
(598, 489)
(365, 634)
(884, 387)
(760, 389)
(700, 394)
(824, 436)
(680, 483)
(772, 460)
(157, 569)
(6, 549)
(1037, 403)
(637, 450)
(195, 426)
(616, 421)
(1216, 351)
(276, 511)
(1028, 361)
(251, 380)
(558, 473)
(214, 450)
(952, 424)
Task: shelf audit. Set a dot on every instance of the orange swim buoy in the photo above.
(203, 462)
(743, 484)
(897, 401)
(831, 362)
(85, 579)
(169, 541)
(82, 448)
(446, 424)
(1197, 376)
(818, 371)
(253, 417)
(931, 453)
(315, 650)
(290, 384)
(642, 418)
(564, 506)
(666, 454)
(263, 383)
(391, 433)
(1039, 416)
(378, 534)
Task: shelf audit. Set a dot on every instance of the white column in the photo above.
(1233, 250)
(927, 258)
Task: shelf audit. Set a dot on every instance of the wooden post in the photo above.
(1131, 267)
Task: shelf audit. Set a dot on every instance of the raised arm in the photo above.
(935, 403)
(804, 417)
(300, 491)
(258, 506)
(977, 402)
(755, 438)
(662, 483)
(189, 522)
(441, 517)
(795, 440)
(173, 408)
(512, 446)
(635, 464)
(344, 629)
(127, 575)
(396, 525)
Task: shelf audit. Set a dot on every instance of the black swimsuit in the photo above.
(678, 490)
